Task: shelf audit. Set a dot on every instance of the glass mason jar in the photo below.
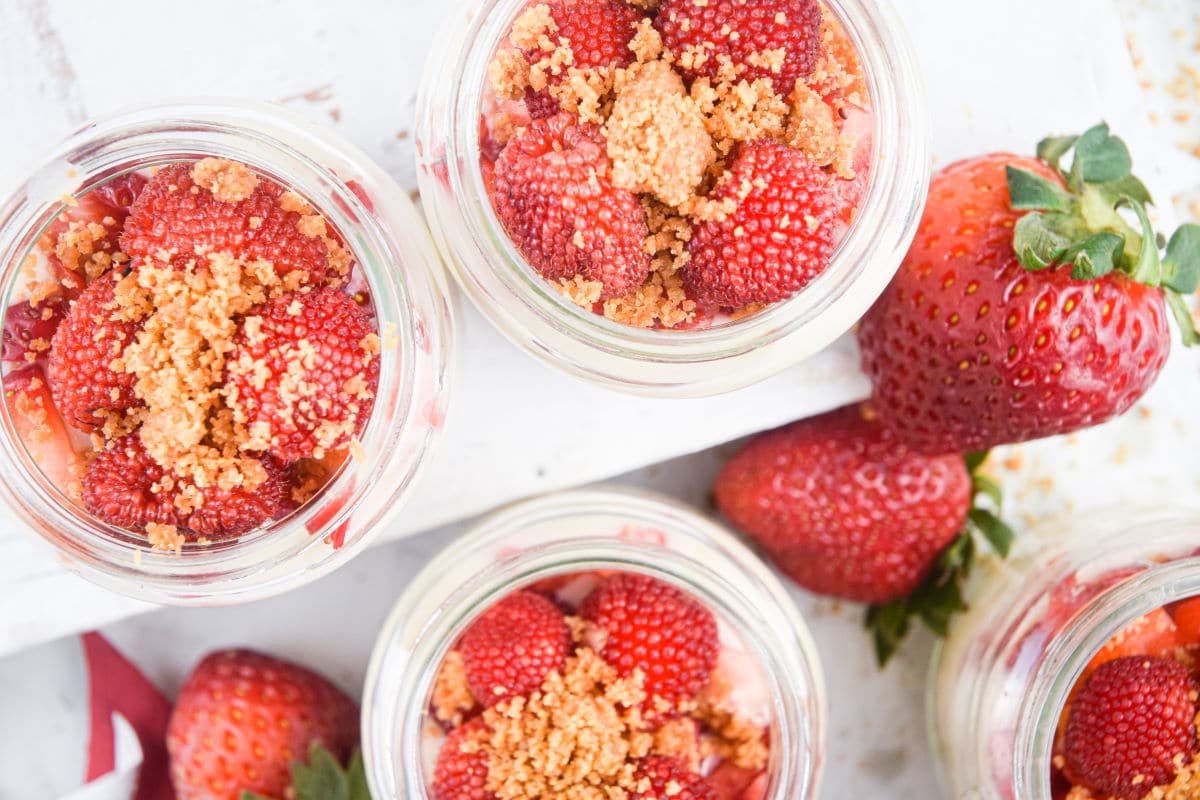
(402, 272)
(669, 363)
(1001, 680)
(598, 529)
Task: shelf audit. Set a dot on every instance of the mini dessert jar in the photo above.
(1001, 679)
(698, 361)
(395, 263)
(579, 531)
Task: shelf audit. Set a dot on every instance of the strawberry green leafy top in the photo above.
(1084, 222)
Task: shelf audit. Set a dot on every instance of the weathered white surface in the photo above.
(985, 65)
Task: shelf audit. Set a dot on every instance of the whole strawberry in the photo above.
(653, 627)
(598, 33)
(247, 722)
(846, 510)
(778, 238)
(1028, 306)
(511, 648)
(555, 198)
(1131, 726)
(775, 39)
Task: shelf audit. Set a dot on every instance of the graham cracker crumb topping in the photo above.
(656, 136)
(229, 181)
(574, 739)
(178, 358)
(164, 537)
(451, 695)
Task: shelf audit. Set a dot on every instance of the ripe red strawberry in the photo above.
(653, 627)
(81, 353)
(461, 775)
(779, 238)
(705, 36)
(41, 428)
(670, 780)
(843, 508)
(173, 213)
(28, 329)
(1131, 720)
(243, 718)
(1003, 326)
(303, 372)
(598, 33)
(511, 648)
(123, 487)
(554, 196)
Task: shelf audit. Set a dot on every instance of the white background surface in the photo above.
(517, 426)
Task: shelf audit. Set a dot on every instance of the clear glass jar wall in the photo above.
(693, 363)
(391, 246)
(604, 529)
(1000, 681)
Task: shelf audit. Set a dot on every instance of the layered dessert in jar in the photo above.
(1073, 674)
(604, 685)
(605, 644)
(675, 164)
(192, 354)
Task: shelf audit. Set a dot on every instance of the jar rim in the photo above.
(521, 303)
(402, 273)
(466, 577)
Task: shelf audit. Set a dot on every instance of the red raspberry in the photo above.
(79, 370)
(120, 488)
(1129, 723)
(303, 372)
(778, 239)
(460, 775)
(173, 213)
(670, 780)
(598, 32)
(554, 196)
(707, 35)
(511, 648)
(655, 628)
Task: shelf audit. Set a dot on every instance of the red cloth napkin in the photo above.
(116, 685)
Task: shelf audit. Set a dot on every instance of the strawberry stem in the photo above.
(940, 596)
(1084, 225)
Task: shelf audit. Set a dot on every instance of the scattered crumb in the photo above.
(229, 181)
(740, 111)
(731, 737)
(656, 136)
(164, 537)
(574, 739)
